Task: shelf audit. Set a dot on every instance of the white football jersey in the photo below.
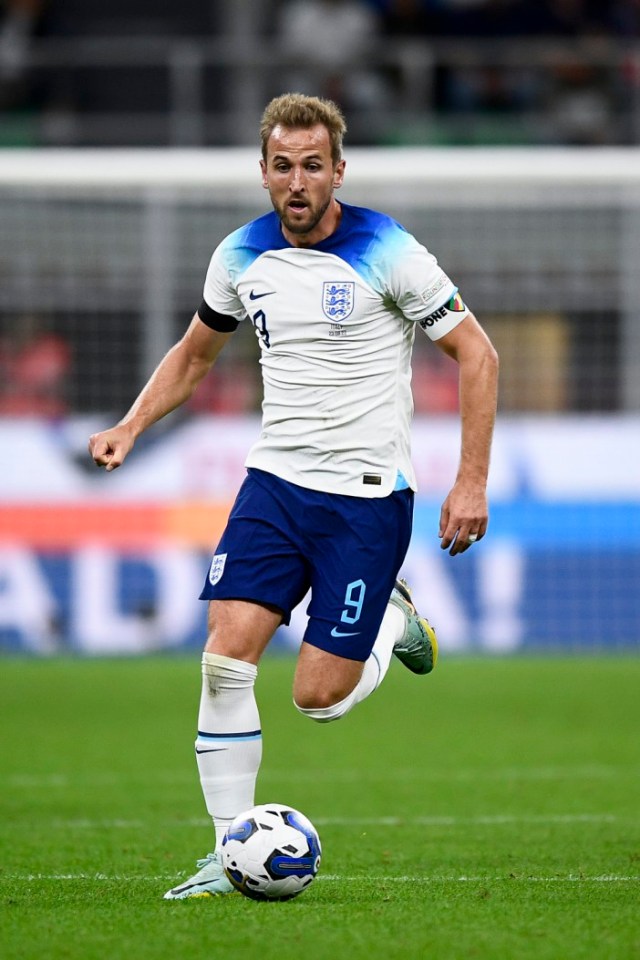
(336, 324)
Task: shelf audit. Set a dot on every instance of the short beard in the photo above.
(297, 228)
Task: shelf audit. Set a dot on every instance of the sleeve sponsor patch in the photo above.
(431, 291)
(454, 305)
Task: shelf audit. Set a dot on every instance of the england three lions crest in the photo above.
(217, 568)
(338, 299)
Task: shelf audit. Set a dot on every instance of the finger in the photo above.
(445, 535)
(459, 544)
(465, 540)
(102, 456)
(113, 464)
(447, 539)
(451, 541)
(113, 457)
(444, 520)
(453, 534)
(477, 532)
(98, 445)
(103, 453)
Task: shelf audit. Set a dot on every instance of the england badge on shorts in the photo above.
(217, 568)
(337, 299)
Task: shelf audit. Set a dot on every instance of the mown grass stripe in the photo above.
(65, 779)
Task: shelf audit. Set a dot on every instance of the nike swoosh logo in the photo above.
(339, 633)
(258, 296)
(213, 750)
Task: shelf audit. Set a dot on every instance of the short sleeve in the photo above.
(219, 292)
(422, 290)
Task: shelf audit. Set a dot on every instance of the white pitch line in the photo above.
(489, 820)
(571, 878)
(331, 878)
(568, 879)
(448, 821)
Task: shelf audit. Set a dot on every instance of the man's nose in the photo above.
(297, 179)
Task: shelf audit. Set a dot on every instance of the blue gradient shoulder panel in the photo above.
(365, 239)
(243, 247)
(370, 242)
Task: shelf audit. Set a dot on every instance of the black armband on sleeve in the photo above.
(217, 321)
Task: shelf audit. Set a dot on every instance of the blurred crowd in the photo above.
(35, 366)
(481, 57)
(561, 72)
(584, 92)
(427, 17)
(509, 18)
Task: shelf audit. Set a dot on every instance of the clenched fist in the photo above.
(110, 447)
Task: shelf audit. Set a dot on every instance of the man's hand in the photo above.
(463, 518)
(110, 447)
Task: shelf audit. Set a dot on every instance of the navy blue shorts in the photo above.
(282, 540)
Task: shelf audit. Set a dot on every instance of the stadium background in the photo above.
(504, 140)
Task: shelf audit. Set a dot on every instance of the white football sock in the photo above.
(229, 742)
(375, 668)
(391, 630)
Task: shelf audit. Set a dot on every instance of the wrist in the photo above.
(132, 426)
(475, 477)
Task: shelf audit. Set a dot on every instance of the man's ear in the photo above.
(263, 168)
(338, 174)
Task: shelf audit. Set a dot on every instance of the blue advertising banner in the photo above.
(113, 563)
(561, 576)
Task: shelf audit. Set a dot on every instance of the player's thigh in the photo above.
(241, 629)
(322, 679)
(257, 558)
(353, 572)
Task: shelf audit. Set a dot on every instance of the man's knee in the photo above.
(240, 629)
(324, 684)
(323, 708)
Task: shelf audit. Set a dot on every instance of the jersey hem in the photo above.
(346, 488)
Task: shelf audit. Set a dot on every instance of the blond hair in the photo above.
(295, 110)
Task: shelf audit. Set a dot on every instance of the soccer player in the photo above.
(335, 293)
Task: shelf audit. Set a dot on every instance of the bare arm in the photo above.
(465, 510)
(172, 382)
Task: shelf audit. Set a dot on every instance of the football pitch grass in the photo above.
(490, 811)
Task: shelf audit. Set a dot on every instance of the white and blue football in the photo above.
(271, 852)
